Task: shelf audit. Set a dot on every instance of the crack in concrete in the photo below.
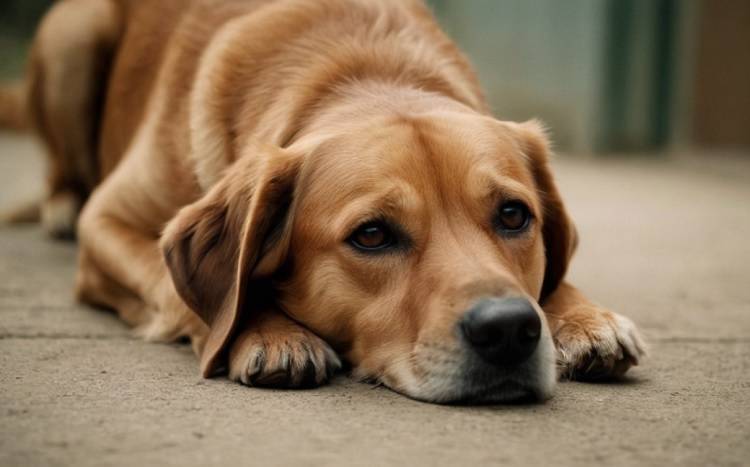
(39, 309)
(700, 340)
(9, 336)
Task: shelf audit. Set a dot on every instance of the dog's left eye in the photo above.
(372, 236)
(513, 217)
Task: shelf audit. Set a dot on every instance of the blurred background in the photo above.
(607, 76)
(615, 75)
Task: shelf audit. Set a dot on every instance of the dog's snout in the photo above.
(502, 331)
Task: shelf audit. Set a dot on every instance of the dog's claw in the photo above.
(296, 360)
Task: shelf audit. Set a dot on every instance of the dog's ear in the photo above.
(560, 237)
(237, 234)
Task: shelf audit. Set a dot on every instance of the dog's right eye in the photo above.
(372, 237)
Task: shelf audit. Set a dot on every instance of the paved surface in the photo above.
(664, 242)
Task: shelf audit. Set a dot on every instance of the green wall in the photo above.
(600, 73)
(18, 20)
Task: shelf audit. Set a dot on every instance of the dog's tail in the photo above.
(13, 111)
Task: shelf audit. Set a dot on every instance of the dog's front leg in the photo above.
(592, 342)
(275, 351)
(121, 266)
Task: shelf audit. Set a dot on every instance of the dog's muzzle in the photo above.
(503, 352)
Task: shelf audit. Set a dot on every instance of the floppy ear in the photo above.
(560, 237)
(235, 234)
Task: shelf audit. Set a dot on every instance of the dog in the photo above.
(291, 184)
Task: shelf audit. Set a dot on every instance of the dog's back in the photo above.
(98, 69)
(160, 37)
(257, 51)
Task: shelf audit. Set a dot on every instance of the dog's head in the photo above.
(418, 246)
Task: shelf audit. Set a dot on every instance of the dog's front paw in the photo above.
(281, 357)
(594, 344)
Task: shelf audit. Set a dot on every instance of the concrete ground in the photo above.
(664, 242)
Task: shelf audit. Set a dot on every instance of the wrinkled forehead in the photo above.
(445, 157)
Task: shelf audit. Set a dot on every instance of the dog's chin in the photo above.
(507, 392)
(470, 381)
(501, 391)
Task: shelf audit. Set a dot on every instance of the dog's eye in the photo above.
(513, 217)
(372, 236)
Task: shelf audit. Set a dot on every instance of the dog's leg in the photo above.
(120, 263)
(592, 342)
(95, 288)
(68, 65)
(122, 269)
(275, 351)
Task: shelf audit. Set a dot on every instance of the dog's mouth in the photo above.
(531, 382)
(461, 378)
(505, 392)
(487, 386)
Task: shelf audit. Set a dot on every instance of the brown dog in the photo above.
(288, 181)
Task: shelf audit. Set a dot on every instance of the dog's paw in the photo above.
(282, 358)
(596, 344)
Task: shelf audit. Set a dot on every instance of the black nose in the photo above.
(503, 331)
